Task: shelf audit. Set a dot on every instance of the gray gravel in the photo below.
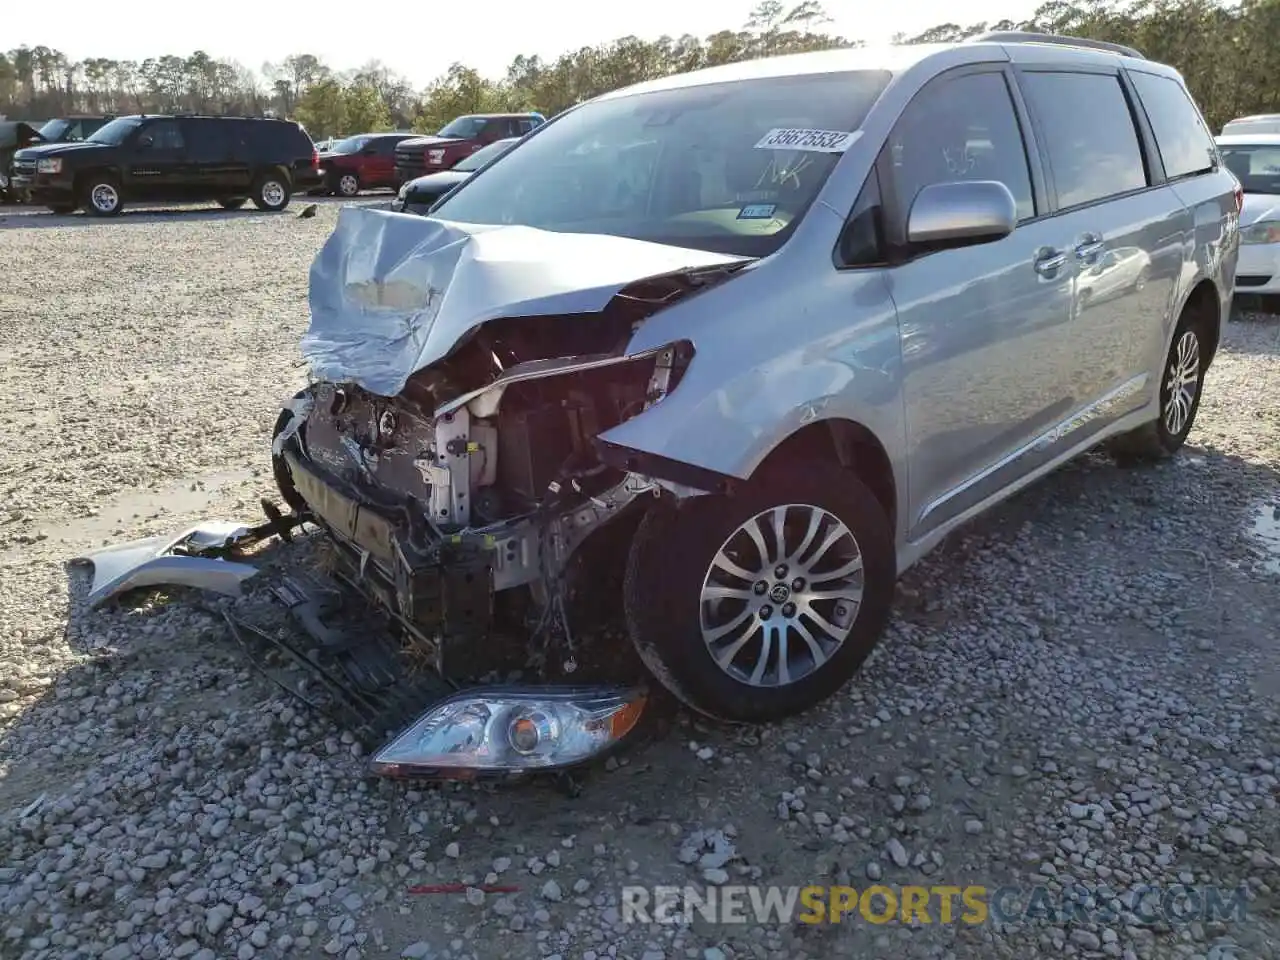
(1081, 689)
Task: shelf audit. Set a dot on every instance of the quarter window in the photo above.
(1089, 135)
(1185, 144)
(961, 128)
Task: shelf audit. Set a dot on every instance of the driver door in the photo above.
(159, 167)
(987, 342)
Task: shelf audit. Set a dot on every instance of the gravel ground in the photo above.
(1081, 689)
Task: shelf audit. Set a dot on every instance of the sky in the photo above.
(421, 40)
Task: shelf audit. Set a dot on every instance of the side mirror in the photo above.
(962, 212)
(144, 142)
(369, 151)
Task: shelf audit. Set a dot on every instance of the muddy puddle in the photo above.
(1266, 532)
(176, 499)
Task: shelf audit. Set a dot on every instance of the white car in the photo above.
(1255, 161)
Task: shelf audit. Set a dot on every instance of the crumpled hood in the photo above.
(1259, 206)
(392, 293)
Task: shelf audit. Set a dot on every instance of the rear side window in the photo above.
(1088, 133)
(1185, 144)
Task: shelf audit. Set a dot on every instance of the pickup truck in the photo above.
(457, 139)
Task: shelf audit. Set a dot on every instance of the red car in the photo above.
(365, 161)
(457, 139)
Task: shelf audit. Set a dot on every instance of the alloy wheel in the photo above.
(105, 198)
(273, 193)
(781, 595)
(1182, 380)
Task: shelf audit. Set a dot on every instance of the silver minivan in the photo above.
(757, 338)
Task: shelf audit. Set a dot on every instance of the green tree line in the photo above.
(1228, 54)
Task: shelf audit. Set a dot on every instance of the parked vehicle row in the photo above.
(104, 163)
(227, 160)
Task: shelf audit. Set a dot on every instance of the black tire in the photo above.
(347, 184)
(272, 191)
(97, 191)
(1157, 440)
(670, 559)
(280, 468)
(233, 203)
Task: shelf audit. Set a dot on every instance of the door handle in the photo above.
(1050, 262)
(1089, 250)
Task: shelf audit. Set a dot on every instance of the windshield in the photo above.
(116, 131)
(464, 128)
(485, 155)
(349, 145)
(727, 167)
(54, 129)
(1256, 166)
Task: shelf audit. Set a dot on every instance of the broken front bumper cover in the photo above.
(187, 560)
(444, 733)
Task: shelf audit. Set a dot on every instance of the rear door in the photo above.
(379, 168)
(1122, 227)
(211, 145)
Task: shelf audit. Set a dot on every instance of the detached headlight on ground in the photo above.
(1265, 231)
(511, 730)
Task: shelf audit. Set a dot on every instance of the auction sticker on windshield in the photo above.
(816, 141)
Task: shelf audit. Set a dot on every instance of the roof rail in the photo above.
(1028, 36)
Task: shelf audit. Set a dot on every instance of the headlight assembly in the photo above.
(1264, 231)
(495, 730)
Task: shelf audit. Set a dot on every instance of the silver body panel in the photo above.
(975, 369)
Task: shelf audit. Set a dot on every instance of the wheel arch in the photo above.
(1204, 300)
(848, 444)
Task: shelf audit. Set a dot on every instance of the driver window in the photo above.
(961, 128)
(163, 136)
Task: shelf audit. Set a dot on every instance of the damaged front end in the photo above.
(447, 446)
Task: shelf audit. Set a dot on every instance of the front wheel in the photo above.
(271, 192)
(1181, 384)
(759, 606)
(102, 196)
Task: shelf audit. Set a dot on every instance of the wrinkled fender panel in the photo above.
(776, 348)
(1214, 241)
(150, 562)
(391, 294)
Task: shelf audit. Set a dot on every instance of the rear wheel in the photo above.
(348, 185)
(758, 606)
(1181, 383)
(232, 203)
(271, 191)
(102, 195)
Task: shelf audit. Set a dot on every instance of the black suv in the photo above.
(171, 158)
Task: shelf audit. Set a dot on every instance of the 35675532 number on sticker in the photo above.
(815, 141)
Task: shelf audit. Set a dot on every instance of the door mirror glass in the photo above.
(145, 142)
(369, 151)
(961, 212)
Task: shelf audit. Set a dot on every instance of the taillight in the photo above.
(315, 158)
(1239, 192)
